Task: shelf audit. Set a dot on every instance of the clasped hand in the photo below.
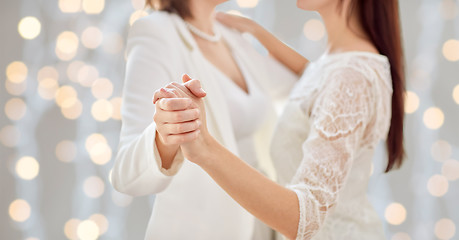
(180, 117)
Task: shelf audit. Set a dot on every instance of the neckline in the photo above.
(247, 93)
(358, 53)
(193, 46)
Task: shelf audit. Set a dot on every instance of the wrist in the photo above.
(167, 152)
(256, 29)
(202, 150)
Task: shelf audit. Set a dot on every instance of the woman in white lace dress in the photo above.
(345, 104)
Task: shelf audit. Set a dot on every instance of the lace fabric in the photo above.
(347, 114)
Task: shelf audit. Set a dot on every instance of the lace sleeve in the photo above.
(339, 118)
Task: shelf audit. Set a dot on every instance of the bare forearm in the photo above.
(166, 152)
(279, 50)
(273, 204)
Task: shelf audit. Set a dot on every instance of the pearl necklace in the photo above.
(203, 35)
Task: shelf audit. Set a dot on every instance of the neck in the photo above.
(203, 15)
(342, 32)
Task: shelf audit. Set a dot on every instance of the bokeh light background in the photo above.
(61, 70)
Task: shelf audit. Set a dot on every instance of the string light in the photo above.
(94, 139)
(29, 27)
(19, 210)
(314, 30)
(72, 111)
(15, 109)
(100, 153)
(451, 50)
(456, 94)
(395, 214)
(247, 3)
(93, 6)
(87, 75)
(433, 118)
(70, 228)
(67, 45)
(445, 229)
(93, 187)
(116, 103)
(70, 6)
(102, 110)
(102, 88)
(16, 72)
(91, 37)
(437, 185)
(27, 168)
(411, 102)
(88, 230)
(101, 221)
(15, 89)
(66, 151)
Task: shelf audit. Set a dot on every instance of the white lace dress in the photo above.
(324, 144)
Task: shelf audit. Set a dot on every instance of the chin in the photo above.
(313, 5)
(220, 1)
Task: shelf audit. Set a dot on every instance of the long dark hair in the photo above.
(380, 20)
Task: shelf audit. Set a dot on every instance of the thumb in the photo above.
(185, 78)
(195, 87)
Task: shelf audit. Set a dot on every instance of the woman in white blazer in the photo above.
(160, 47)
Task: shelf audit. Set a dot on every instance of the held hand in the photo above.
(242, 24)
(177, 114)
(180, 116)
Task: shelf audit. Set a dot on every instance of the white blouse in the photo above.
(324, 143)
(247, 110)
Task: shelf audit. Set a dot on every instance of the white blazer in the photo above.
(188, 204)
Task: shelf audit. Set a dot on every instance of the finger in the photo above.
(180, 128)
(183, 138)
(180, 89)
(195, 87)
(174, 104)
(186, 78)
(178, 116)
(162, 93)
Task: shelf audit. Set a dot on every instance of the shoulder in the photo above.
(158, 25)
(237, 38)
(153, 33)
(155, 20)
(356, 67)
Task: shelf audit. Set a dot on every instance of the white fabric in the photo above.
(324, 143)
(246, 110)
(188, 204)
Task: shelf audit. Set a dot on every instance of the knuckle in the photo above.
(156, 118)
(176, 117)
(179, 128)
(167, 104)
(196, 113)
